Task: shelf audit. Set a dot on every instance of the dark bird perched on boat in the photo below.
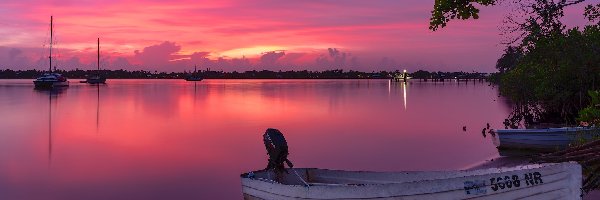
(488, 125)
(464, 128)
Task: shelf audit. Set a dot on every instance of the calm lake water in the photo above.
(172, 139)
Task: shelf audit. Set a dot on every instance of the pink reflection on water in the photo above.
(171, 139)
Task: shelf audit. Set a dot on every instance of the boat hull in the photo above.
(545, 181)
(50, 84)
(193, 79)
(543, 139)
(96, 80)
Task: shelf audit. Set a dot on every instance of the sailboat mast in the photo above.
(50, 57)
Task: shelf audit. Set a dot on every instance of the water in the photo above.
(172, 139)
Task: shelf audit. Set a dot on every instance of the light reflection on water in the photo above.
(172, 139)
(404, 93)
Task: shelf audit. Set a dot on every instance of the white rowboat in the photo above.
(535, 181)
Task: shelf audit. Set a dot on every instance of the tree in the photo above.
(509, 59)
(550, 70)
(421, 74)
(446, 10)
(591, 114)
(551, 80)
(593, 13)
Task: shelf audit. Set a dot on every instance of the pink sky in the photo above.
(245, 35)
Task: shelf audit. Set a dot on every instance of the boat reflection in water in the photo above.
(53, 93)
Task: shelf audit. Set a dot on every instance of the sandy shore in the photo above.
(514, 161)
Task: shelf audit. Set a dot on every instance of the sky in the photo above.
(240, 35)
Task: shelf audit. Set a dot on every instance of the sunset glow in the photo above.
(245, 35)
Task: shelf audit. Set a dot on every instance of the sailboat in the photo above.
(97, 79)
(50, 80)
(194, 76)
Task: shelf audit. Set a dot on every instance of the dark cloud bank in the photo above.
(167, 57)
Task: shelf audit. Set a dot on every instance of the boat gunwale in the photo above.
(548, 130)
(501, 170)
(406, 195)
(560, 173)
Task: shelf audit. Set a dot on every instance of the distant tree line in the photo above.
(264, 74)
(422, 74)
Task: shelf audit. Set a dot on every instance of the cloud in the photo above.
(168, 56)
(71, 63)
(336, 59)
(333, 52)
(120, 63)
(13, 58)
(292, 59)
(158, 56)
(13, 53)
(354, 63)
(269, 59)
(199, 55)
(242, 63)
(387, 63)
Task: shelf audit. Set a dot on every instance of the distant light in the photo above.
(404, 71)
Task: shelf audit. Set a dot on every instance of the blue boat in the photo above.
(548, 139)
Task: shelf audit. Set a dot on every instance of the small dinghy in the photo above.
(549, 139)
(535, 181)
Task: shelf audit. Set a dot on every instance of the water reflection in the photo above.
(168, 139)
(403, 87)
(404, 93)
(49, 128)
(97, 107)
(52, 94)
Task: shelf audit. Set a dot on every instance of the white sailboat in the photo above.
(50, 80)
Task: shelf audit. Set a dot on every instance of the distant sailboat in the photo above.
(194, 76)
(97, 79)
(50, 80)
